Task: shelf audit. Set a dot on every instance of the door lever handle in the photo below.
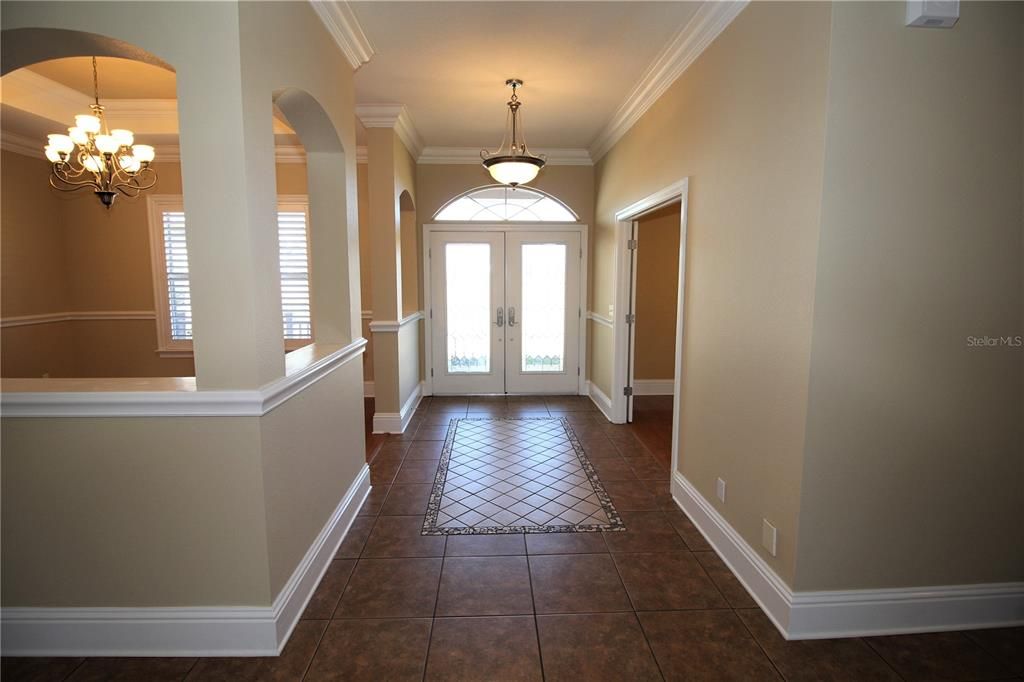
(500, 319)
(511, 316)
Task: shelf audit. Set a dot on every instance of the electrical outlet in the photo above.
(769, 536)
(720, 490)
(611, 311)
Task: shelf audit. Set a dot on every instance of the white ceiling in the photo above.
(447, 63)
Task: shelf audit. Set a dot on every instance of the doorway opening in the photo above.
(650, 287)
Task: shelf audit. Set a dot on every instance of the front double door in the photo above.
(505, 311)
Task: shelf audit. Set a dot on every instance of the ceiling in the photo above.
(118, 78)
(447, 63)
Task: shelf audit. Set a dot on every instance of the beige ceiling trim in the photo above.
(392, 116)
(341, 23)
(28, 91)
(709, 21)
(27, 146)
(471, 156)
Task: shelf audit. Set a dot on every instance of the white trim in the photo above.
(849, 613)
(600, 319)
(368, 389)
(471, 156)
(283, 153)
(622, 277)
(653, 386)
(341, 22)
(398, 422)
(183, 403)
(190, 630)
(394, 116)
(392, 326)
(82, 315)
(682, 51)
(362, 154)
(598, 397)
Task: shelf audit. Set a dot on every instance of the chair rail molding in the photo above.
(305, 367)
(392, 326)
(89, 315)
(683, 50)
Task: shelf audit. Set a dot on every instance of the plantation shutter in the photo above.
(179, 296)
(294, 255)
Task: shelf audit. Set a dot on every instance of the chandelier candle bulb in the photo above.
(53, 155)
(107, 144)
(144, 153)
(61, 143)
(125, 138)
(88, 123)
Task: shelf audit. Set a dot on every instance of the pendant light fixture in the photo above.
(108, 161)
(513, 165)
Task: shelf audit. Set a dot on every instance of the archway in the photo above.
(333, 256)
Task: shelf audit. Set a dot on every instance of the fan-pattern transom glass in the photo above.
(505, 204)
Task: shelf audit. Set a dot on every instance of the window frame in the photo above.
(157, 204)
(471, 192)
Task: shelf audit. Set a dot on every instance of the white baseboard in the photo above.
(603, 402)
(397, 422)
(184, 631)
(850, 613)
(368, 389)
(653, 386)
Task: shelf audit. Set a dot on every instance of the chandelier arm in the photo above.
(71, 186)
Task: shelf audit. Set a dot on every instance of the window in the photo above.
(498, 203)
(171, 277)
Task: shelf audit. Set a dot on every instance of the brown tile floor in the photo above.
(649, 603)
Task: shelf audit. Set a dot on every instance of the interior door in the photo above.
(542, 313)
(467, 271)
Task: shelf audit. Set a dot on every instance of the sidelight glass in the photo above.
(468, 307)
(543, 314)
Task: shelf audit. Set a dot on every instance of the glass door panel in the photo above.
(467, 272)
(543, 304)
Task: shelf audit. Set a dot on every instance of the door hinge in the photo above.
(431, 372)
(627, 391)
(630, 318)
(577, 371)
(431, 313)
(631, 245)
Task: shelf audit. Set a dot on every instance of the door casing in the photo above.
(583, 231)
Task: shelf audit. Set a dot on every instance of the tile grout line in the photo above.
(533, 603)
(635, 613)
(433, 617)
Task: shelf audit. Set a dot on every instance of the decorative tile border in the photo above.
(430, 526)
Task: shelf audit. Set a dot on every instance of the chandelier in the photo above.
(513, 165)
(107, 161)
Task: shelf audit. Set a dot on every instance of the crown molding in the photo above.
(684, 49)
(22, 144)
(471, 156)
(341, 23)
(394, 116)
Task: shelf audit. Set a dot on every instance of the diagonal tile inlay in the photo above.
(526, 475)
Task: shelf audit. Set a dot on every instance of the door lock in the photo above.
(500, 319)
(511, 316)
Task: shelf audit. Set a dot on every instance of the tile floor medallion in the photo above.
(525, 475)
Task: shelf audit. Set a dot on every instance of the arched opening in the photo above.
(86, 296)
(329, 304)
(410, 248)
(498, 203)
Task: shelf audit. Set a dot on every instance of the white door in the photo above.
(467, 285)
(505, 311)
(542, 294)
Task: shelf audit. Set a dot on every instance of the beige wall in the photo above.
(657, 288)
(914, 462)
(66, 253)
(745, 123)
(133, 512)
(366, 291)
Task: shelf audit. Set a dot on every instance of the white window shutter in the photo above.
(179, 296)
(294, 255)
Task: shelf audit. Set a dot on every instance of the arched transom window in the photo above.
(498, 203)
